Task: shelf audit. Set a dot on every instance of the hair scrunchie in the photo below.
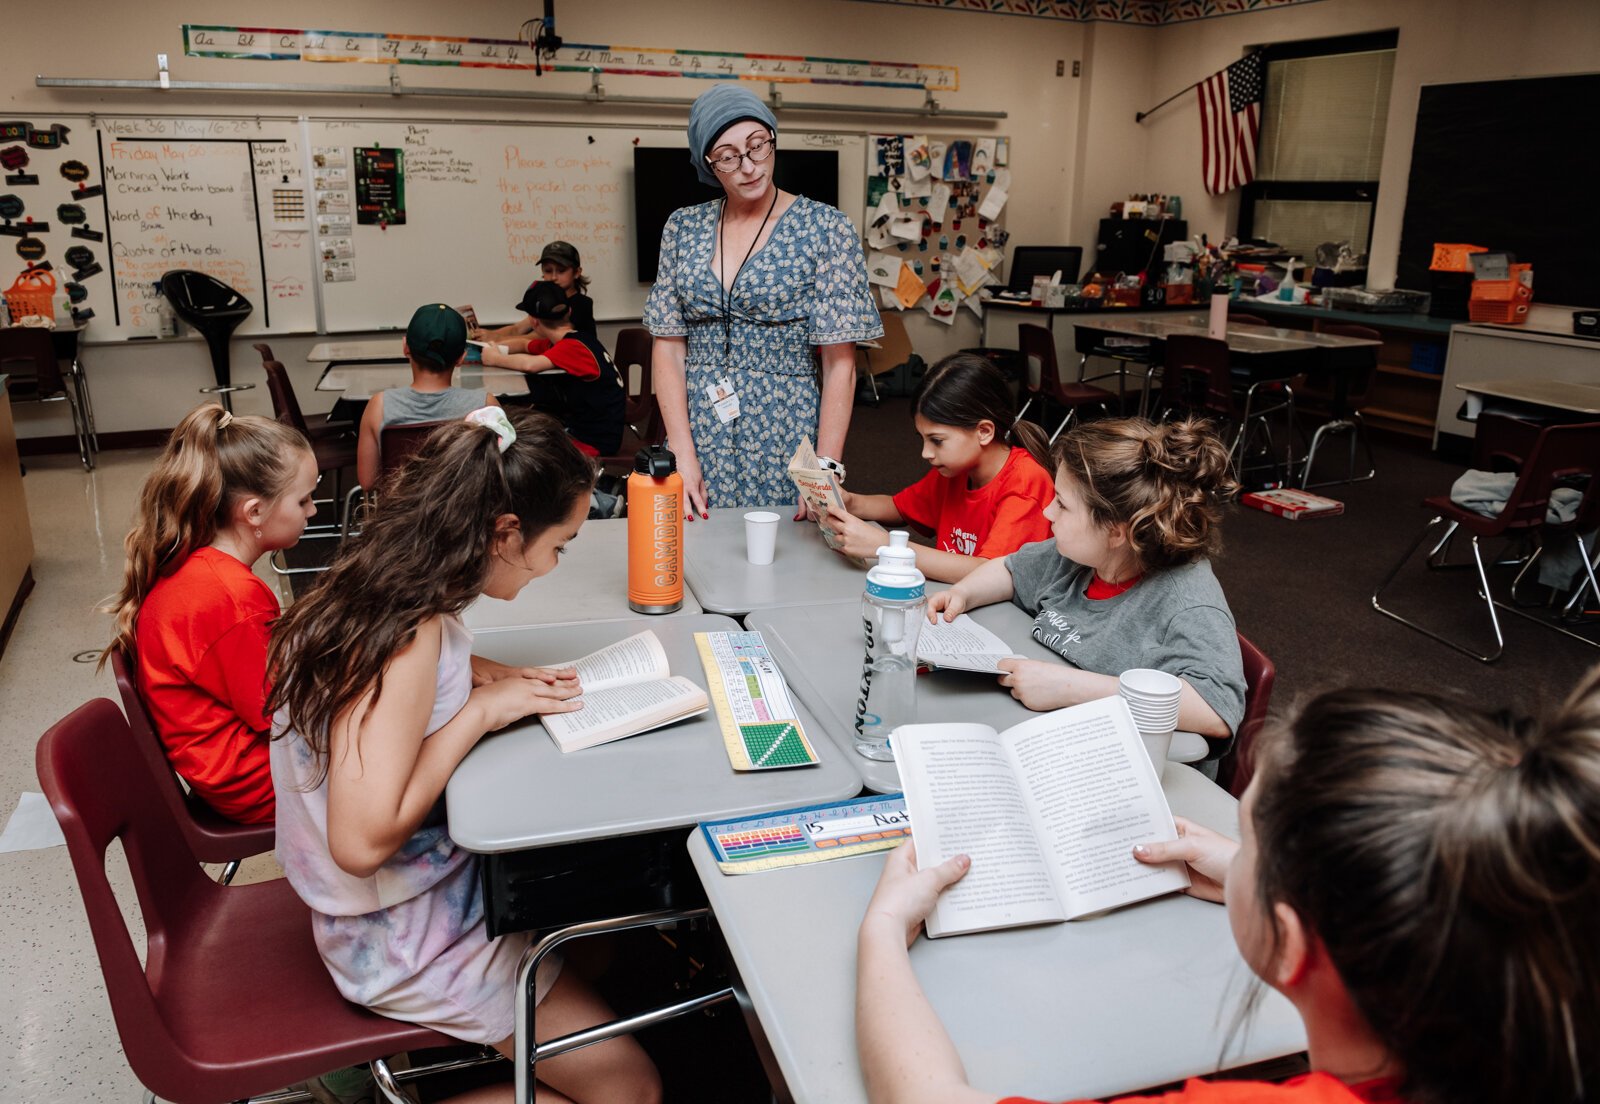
(493, 418)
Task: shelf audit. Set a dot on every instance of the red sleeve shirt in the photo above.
(572, 357)
(995, 520)
(202, 641)
(1312, 1088)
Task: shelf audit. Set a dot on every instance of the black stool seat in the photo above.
(213, 308)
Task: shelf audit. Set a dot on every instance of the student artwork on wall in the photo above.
(936, 203)
(52, 205)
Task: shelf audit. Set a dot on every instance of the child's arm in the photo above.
(369, 451)
(522, 326)
(861, 538)
(987, 584)
(521, 362)
(873, 508)
(384, 777)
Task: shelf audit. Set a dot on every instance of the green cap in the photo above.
(437, 335)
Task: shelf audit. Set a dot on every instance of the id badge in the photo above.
(723, 400)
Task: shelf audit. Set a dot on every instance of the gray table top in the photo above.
(590, 585)
(804, 572)
(362, 381)
(1580, 398)
(1242, 338)
(1108, 1004)
(516, 791)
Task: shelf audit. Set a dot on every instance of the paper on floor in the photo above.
(32, 826)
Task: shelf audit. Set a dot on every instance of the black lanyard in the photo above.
(722, 260)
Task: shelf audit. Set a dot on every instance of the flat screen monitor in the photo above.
(1028, 261)
(663, 181)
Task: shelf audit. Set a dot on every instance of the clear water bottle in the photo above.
(892, 612)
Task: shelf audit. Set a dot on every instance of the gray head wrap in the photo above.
(714, 111)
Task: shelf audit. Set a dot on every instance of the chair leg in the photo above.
(1064, 423)
(229, 869)
(1487, 595)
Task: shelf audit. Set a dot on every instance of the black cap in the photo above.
(561, 253)
(437, 335)
(546, 301)
(656, 461)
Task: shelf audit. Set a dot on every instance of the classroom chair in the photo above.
(892, 350)
(1340, 394)
(1197, 378)
(211, 949)
(286, 405)
(33, 374)
(211, 836)
(1559, 455)
(1237, 763)
(216, 310)
(644, 426)
(1039, 344)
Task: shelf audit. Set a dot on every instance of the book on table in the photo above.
(961, 645)
(1048, 810)
(627, 689)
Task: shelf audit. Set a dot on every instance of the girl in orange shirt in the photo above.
(1420, 878)
(984, 498)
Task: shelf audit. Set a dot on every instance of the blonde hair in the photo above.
(211, 461)
(1167, 483)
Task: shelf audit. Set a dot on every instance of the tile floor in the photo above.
(58, 1042)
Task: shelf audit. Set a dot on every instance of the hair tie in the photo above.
(226, 420)
(493, 418)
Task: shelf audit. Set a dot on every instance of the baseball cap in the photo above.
(437, 335)
(546, 301)
(562, 253)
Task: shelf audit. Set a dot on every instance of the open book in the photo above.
(961, 645)
(627, 689)
(820, 488)
(1048, 810)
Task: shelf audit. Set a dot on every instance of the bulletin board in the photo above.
(935, 208)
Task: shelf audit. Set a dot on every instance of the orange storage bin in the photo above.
(1503, 301)
(1453, 256)
(32, 292)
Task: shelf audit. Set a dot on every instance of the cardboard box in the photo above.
(1294, 505)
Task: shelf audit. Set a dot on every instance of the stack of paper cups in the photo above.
(1152, 698)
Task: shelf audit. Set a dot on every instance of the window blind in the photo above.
(1324, 117)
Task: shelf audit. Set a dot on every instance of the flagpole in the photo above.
(1140, 116)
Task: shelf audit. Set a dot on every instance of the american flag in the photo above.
(1230, 116)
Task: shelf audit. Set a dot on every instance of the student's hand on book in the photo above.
(858, 538)
(1040, 685)
(947, 604)
(492, 357)
(1207, 853)
(905, 895)
(485, 671)
(510, 699)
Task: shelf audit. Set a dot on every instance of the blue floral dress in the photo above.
(806, 286)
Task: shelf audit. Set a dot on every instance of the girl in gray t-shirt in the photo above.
(1125, 581)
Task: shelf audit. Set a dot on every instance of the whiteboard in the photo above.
(481, 201)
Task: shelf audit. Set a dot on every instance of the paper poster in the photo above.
(958, 160)
(983, 158)
(944, 304)
(887, 296)
(883, 269)
(936, 154)
(380, 186)
(1002, 179)
(333, 225)
(906, 228)
(993, 204)
(910, 287)
(331, 203)
(918, 189)
(918, 162)
(338, 272)
(1002, 151)
(971, 270)
(328, 180)
(939, 203)
(337, 249)
(328, 157)
(975, 305)
(890, 157)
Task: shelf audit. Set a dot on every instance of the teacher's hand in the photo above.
(694, 486)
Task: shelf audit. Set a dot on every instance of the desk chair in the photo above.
(210, 947)
(28, 359)
(1560, 454)
(1340, 393)
(1236, 769)
(216, 310)
(1039, 344)
(894, 349)
(1197, 377)
(211, 836)
(642, 415)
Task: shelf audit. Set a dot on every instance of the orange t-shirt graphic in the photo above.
(995, 520)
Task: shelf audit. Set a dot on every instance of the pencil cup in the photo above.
(760, 536)
(1152, 698)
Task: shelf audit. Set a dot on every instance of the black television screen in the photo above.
(663, 181)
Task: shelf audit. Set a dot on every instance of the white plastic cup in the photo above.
(1157, 745)
(1153, 698)
(760, 536)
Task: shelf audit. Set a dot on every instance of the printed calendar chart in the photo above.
(795, 837)
(760, 724)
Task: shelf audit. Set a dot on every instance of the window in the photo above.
(1322, 128)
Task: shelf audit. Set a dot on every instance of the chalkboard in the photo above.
(1508, 165)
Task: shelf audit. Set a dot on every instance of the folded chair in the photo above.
(232, 1000)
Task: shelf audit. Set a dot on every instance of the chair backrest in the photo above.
(265, 350)
(284, 404)
(399, 443)
(1028, 261)
(1196, 373)
(635, 346)
(29, 353)
(97, 784)
(894, 347)
(1259, 676)
(1358, 366)
(1562, 456)
(1038, 343)
(202, 300)
(211, 836)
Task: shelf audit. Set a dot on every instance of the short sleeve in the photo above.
(842, 308)
(575, 359)
(1202, 646)
(1033, 567)
(663, 310)
(919, 503)
(1018, 520)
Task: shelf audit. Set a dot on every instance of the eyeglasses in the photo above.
(758, 151)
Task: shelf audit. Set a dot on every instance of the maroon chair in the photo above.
(286, 406)
(33, 374)
(1339, 394)
(233, 1000)
(644, 425)
(1038, 343)
(1197, 377)
(1560, 455)
(399, 443)
(211, 836)
(1238, 765)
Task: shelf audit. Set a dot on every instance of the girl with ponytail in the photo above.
(1419, 877)
(376, 698)
(983, 499)
(1125, 582)
(191, 617)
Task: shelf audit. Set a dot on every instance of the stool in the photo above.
(216, 310)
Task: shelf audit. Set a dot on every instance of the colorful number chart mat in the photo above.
(794, 837)
(760, 725)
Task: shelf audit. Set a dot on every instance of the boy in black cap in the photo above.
(436, 340)
(559, 264)
(591, 393)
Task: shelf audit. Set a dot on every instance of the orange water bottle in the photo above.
(655, 532)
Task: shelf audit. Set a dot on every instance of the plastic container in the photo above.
(893, 610)
(655, 532)
(1428, 356)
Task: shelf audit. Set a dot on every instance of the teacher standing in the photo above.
(748, 286)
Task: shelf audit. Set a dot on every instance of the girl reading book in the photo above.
(985, 496)
(377, 698)
(1417, 876)
(192, 618)
(1125, 581)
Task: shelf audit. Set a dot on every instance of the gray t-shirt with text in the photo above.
(1174, 619)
